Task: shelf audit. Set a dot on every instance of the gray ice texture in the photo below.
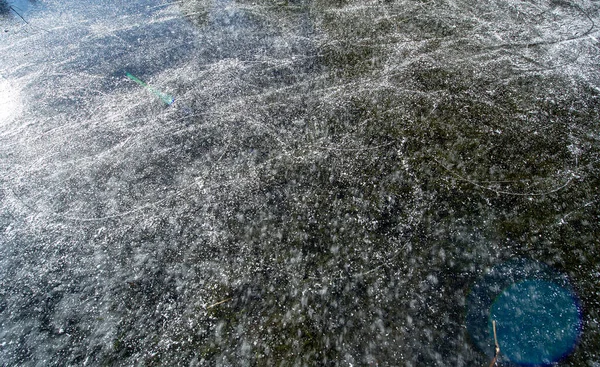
(331, 179)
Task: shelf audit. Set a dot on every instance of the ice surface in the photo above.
(331, 179)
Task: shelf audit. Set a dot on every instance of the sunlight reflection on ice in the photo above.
(10, 101)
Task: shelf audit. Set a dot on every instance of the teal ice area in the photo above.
(537, 314)
(299, 182)
(538, 322)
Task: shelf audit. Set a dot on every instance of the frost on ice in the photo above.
(328, 184)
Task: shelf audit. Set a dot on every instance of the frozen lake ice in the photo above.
(329, 186)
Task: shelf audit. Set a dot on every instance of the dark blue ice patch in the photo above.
(537, 321)
(537, 313)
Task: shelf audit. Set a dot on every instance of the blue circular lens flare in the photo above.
(537, 313)
(537, 322)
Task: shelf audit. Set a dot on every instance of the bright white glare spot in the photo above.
(10, 104)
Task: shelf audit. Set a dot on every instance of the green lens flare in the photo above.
(167, 99)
